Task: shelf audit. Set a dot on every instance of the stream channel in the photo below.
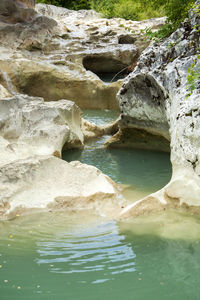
(79, 255)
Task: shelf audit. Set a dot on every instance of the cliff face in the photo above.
(154, 99)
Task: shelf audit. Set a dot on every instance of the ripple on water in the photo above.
(98, 249)
(66, 255)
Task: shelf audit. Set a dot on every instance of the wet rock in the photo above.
(91, 130)
(137, 139)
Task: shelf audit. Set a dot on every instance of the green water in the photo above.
(79, 255)
(100, 117)
(144, 171)
(69, 256)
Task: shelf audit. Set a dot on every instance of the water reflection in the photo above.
(82, 256)
(99, 249)
(146, 171)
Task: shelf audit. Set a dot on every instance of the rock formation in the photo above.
(46, 182)
(153, 100)
(33, 133)
(54, 53)
(32, 136)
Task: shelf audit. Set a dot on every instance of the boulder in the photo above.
(19, 21)
(17, 11)
(31, 126)
(54, 82)
(48, 183)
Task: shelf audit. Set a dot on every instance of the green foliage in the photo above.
(71, 4)
(127, 9)
(193, 76)
(106, 7)
(176, 10)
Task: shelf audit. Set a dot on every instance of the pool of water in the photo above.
(141, 171)
(81, 256)
(111, 77)
(100, 117)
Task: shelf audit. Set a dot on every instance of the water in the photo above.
(141, 171)
(79, 255)
(100, 117)
(111, 77)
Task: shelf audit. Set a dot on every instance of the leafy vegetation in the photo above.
(193, 76)
(176, 10)
(71, 4)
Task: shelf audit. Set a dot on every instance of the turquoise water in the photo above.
(143, 171)
(69, 256)
(100, 117)
(79, 255)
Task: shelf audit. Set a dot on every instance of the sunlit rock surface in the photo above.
(4, 93)
(32, 136)
(60, 53)
(153, 99)
(32, 126)
(44, 182)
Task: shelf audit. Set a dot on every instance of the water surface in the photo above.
(143, 171)
(80, 256)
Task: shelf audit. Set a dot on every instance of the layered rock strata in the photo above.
(155, 99)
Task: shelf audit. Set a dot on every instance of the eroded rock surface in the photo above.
(45, 182)
(32, 126)
(32, 177)
(154, 99)
(54, 54)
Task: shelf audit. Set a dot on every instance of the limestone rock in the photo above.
(53, 54)
(17, 11)
(91, 130)
(43, 182)
(32, 177)
(4, 93)
(31, 126)
(154, 98)
(54, 82)
(19, 21)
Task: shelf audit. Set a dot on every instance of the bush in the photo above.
(71, 4)
(127, 9)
